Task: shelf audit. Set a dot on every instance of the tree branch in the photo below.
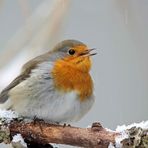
(39, 134)
(44, 133)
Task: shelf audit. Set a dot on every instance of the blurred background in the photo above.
(117, 28)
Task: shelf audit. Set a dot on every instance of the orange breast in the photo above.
(68, 77)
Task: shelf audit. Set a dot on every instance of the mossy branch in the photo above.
(39, 134)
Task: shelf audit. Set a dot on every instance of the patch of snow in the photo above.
(55, 145)
(118, 139)
(89, 126)
(19, 139)
(111, 145)
(109, 130)
(143, 125)
(123, 131)
(8, 114)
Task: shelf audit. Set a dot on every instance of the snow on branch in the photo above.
(22, 133)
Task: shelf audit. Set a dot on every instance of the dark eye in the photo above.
(71, 51)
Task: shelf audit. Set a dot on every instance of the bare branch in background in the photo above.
(1, 4)
(25, 8)
(39, 29)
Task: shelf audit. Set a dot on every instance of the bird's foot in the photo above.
(37, 120)
(68, 125)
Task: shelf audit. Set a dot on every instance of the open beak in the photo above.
(88, 52)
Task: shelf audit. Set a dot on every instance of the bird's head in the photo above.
(75, 53)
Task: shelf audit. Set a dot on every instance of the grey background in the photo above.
(118, 29)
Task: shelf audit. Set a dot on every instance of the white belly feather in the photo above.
(52, 105)
(36, 96)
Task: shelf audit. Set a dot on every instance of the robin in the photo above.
(55, 86)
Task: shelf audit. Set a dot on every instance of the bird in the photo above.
(55, 86)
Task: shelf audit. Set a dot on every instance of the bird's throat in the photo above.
(68, 77)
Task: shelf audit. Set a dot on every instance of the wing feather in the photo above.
(26, 70)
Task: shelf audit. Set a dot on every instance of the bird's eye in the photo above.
(71, 51)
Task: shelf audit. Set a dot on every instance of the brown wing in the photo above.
(4, 94)
(26, 70)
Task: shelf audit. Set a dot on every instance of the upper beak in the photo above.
(88, 52)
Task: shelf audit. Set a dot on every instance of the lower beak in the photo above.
(88, 52)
